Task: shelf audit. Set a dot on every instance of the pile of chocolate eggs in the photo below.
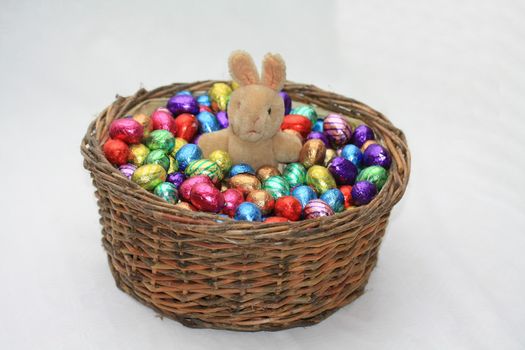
(339, 166)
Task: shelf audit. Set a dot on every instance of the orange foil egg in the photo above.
(296, 122)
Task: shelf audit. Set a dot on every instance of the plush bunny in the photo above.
(255, 112)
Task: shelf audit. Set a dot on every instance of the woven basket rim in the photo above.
(390, 136)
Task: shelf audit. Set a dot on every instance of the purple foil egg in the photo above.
(363, 192)
(319, 136)
(222, 117)
(343, 171)
(179, 104)
(337, 129)
(376, 154)
(176, 179)
(127, 170)
(287, 102)
(362, 133)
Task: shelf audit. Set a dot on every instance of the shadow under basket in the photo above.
(240, 275)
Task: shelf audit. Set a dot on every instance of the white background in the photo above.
(451, 74)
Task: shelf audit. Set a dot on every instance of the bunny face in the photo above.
(255, 112)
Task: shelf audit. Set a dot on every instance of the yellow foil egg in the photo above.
(174, 166)
(320, 178)
(245, 183)
(149, 176)
(223, 160)
(267, 171)
(329, 155)
(220, 94)
(312, 153)
(235, 85)
(138, 154)
(179, 142)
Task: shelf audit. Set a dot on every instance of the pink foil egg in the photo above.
(232, 199)
(187, 185)
(206, 197)
(127, 129)
(161, 119)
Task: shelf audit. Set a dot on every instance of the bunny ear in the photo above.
(242, 68)
(274, 71)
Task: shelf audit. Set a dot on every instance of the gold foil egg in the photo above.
(145, 121)
(220, 94)
(263, 199)
(149, 176)
(266, 171)
(223, 160)
(312, 153)
(245, 183)
(138, 154)
(329, 155)
(320, 178)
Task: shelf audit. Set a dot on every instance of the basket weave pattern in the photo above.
(240, 275)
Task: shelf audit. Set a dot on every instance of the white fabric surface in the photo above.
(450, 74)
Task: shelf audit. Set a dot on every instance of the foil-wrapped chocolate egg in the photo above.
(263, 199)
(187, 154)
(363, 192)
(179, 142)
(248, 211)
(288, 207)
(266, 171)
(126, 129)
(204, 100)
(346, 190)
(127, 170)
(377, 155)
(343, 171)
(274, 219)
(187, 126)
(287, 102)
(317, 208)
(277, 186)
(366, 144)
(306, 111)
(320, 136)
(204, 167)
(145, 121)
(362, 133)
(160, 139)
(353, 154)
(304, 194)
(312, 153)
(318, 125)
(180, 104)
(241, 168)
(329, 155)
(138, 154)
(337, 129)
(220, 94)
(187, 185)
(295, 174)
(149, 176)
(183, 92)
(206, 197)
(158, 157)
(245, 183)
(207, 122)
(232, 199)
(223, 160)
(167, 191)
(161, 119)
(299, 123)
(176, 178)
(335, 199)
(235, 85)
(374, 174)
(222, 118)
(320, 178)
(116, 151)
(174, 166)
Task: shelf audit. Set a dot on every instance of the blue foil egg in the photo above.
(353, 154)
(204, 100)
(183, 92)
(187, 154)
(248, 211)
(241, 168)
(304, 194)
(207, 122)
(318, 126)
(335, 199)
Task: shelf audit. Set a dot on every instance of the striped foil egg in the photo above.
(277, 186)
(337, 129)
(294, 174)
(204, 167)
(317, 208)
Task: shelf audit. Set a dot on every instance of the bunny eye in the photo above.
(270, 110)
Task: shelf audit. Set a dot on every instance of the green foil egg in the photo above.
(295, 174)
(306, 111)
(374, 174)
(138, 154)
(167, 191)
(277, 186)
(161, 139)
(320, 178)
(158, 157)
(149, 176)
(204, 167)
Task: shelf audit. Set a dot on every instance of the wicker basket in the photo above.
(239, 275)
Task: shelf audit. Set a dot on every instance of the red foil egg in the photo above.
(299, 123)
(187, 185)
(126, 129)
(271, 219)
(203, 108)
(161, 119)
(116, 151)
(206, 197)
(187, 126)
(232, 199)
(347, 194)
(288, 207)
(263, 199)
